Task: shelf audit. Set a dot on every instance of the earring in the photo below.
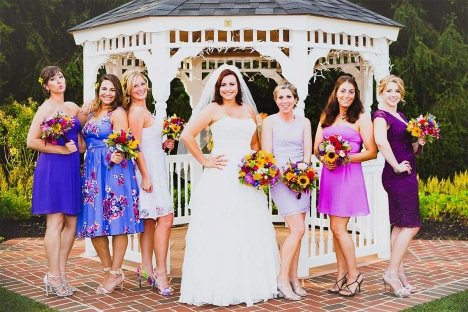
(48, 91)
(128, 100)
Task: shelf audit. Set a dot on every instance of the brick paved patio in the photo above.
(437, 268)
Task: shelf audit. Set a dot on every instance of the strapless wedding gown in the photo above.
(231, 253)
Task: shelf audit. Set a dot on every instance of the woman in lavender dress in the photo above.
(398, 178)
(342, 190)
(110, 195)
(56, 186)
(289, 137)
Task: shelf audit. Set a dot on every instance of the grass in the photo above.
(12, 302)
(453, 303)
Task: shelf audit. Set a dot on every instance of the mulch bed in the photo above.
(455, 229)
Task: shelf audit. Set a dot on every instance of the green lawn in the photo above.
(12, 302)
(454, 303)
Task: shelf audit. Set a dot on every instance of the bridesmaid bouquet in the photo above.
(424, 127)
(173, 127)
(55, 127)
(335, 150)
(299, 177)
(259, 170)
(124, 142)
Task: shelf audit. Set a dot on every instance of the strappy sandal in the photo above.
(336, 286)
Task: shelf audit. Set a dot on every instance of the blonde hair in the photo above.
(128, 80)
(392, 78)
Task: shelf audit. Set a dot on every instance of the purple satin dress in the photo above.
(57, 186)
(343, 191)
(402, 189)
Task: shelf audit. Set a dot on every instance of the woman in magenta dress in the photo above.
(56, 187)
(289, 137)
(342, 190)
(398, 178)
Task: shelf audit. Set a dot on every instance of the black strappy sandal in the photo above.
(339, 287)
(350, 292)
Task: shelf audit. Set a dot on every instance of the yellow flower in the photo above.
(242, 174)
(57, 127)
(133, 144)
(263, 115)
(247, 157)
(41, 81)
(416, 132)
(96, 85)
(13, 151)
(260, 163)
(175, 128)
(122, 83)
(112, 136)
(272, 173)
(289, 176)
(303, 181)
(257, 176)
(331, 157)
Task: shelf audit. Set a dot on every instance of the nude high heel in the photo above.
(287, 292)
(412, 289)
(102, 290)
(298, 289)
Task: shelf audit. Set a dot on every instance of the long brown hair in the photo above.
(332, 109)
(119, 95)
(217, 95)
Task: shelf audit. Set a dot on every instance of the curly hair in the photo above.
(332, 109)
(383, 83)
(119, 94)
(217, 95)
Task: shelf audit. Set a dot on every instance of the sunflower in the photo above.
(289, 176)
(57, 127)
(303, 181)
(416, 132)
(112, 136)
(331, 157)
(133, 144)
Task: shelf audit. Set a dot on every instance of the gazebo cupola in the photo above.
(282, 39)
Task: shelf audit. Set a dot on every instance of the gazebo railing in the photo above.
(371, 234)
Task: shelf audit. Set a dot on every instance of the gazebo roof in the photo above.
(338, 9)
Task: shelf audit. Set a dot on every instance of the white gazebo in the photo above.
(282, 39)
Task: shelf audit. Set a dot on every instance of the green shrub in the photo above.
(444, 199)
(182, 198)
(15, 195)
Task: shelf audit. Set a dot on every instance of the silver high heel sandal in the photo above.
(413, 289)
(61, 290)
(298, 289)
(65, 280)
(401, 293)
(287, 292)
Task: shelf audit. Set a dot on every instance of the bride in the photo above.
(231, 254)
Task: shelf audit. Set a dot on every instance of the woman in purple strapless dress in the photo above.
(289, 137)
(342, 190)
(398, 178)
(56, 188)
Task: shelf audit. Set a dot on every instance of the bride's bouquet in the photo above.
(258, 169)
(299, 177)
(425, 127)
(335, 150)
(55, 127)
(124, 142)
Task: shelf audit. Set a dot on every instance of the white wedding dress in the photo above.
(231, 253)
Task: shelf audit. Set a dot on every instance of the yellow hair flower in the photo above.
(41, 81)
(122, 83)
(96, 85)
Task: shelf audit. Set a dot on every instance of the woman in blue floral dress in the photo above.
(110, 196)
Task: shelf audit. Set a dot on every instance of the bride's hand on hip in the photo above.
(215, 162)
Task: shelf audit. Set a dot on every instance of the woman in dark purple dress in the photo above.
(56, 188)
(398, 178)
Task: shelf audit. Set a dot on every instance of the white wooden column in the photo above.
(91, 66)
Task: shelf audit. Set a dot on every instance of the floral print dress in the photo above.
(110, 197)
